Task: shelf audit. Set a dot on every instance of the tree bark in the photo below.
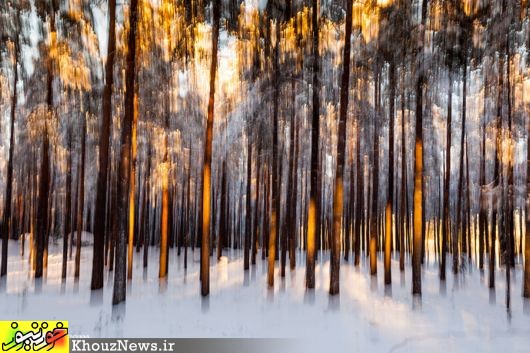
(313, 225)
(338, 192)
(120, 272)
(206, 174)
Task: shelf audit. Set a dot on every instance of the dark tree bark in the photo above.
(104, 141)
(338, 193)
(313, 224)
(44, 179)
(7, 221)
(248, 210)
(120, 272)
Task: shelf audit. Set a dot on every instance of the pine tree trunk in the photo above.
(418, 168)
(120, 272)
(206, 175)
(313, 225)
(7, 221)
(390, 194)
(248, 211)
(81, 198)
(460, 176)
(338, 192)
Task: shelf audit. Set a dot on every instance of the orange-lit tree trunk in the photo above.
(120, 272)
(207, 166)
(164, 218)
(338, 192)
(418, 167)
(374, 226)
(312, 217)
(404, 189)
(276, 187)
(390, 194)
(132, 184)
(162, 273)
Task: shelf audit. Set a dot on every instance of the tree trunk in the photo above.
(248, 211)
(338, 192)
(81, 198)
(460, 175)
(390, 193)
(313, 225)
(418, 168)
(44, 178)
(6, 231)
(446, 224)
(206, 175)
(132, 184)
(125, 159)
(374, 227)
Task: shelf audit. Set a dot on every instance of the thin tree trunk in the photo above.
(390, 193)
(81, 198)
(313, 225)
(248, 211)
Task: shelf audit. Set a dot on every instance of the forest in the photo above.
(282, 132)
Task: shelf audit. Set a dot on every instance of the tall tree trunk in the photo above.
(338, 192)
(390, 193)
(7, 222)
(404, 189)
(44, 178)
(374, 226)
(460, 175)
(418, 166)
(483, 216)
(120, 272)
(132, 184)
(276, 174)
(446, 224)
(81, 198)
(68, 206)
(313, 225)
(257, 218)
(248, 211)
(206, 174)
(526, 279)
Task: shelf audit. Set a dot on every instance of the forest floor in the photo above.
(462, 316)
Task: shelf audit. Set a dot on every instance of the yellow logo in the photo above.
(33, 336)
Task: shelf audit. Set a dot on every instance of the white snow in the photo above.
(463, 317)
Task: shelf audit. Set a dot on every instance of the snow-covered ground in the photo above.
(462, 317)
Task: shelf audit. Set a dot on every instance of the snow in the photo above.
(464, 316)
